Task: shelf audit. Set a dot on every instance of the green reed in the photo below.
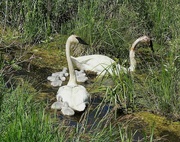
(24, 120)
(38, 19)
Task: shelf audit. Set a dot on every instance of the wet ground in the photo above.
(37, 64)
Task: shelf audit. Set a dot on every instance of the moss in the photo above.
(50, 58)
(163, 126)
(50, 54)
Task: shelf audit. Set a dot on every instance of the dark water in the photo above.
(93, 113)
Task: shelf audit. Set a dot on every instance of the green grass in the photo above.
(162, 86)
(24, 120)
(121, 93)
(109, 27)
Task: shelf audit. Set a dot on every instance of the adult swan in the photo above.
(71, 97)
(101, 63)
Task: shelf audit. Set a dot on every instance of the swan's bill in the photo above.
(81, 41)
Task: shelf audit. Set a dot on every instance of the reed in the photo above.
(23, 120)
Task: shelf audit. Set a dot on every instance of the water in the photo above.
(97, 113)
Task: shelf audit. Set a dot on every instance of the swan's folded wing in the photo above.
(80, 63)
(80, 60)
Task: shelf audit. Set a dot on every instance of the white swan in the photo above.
(101, 63)
(71, 96)
(143, 39)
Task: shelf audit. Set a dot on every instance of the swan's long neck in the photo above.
(132, 56)
(72, 79)
(132, 60)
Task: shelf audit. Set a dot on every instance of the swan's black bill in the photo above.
(151, 45)
(81, 41)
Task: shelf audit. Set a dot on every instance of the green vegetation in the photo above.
(23, 120)
(32, 37)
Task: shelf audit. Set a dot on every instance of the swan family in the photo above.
(73, 97)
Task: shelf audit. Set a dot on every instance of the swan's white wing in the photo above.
(77, 97)
(80, 62)
(81, 107)
(65, 93)
(96, 63)
(81, 59)
(80, 98)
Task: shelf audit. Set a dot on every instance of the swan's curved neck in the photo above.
(72, 79)
(132, 55)
(135, 43)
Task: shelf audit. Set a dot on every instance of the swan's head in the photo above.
(143, 39)
(146, 40)
(74, 39)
